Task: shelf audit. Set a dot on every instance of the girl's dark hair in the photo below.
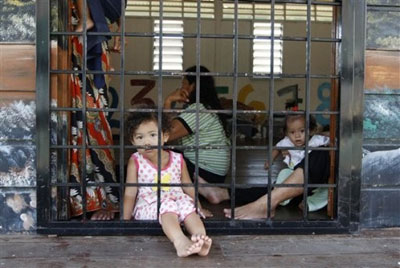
(208, 93)
(292, 117)
(134, 120)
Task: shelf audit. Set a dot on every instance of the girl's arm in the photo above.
(190, 189)
(274, 155)
(130, 191)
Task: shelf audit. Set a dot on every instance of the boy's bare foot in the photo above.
(184, 247)
(89, 25)
(102, 215)
(253, 210)
(207, 242)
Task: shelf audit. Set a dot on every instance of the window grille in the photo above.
(262, 48)
(172, 46)
(283, 12)
(171, 9)
(346, 76)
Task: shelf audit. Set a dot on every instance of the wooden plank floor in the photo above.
(378, 248)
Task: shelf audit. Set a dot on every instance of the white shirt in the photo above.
(295, 156)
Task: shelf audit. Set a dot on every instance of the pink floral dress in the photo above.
(173, 199)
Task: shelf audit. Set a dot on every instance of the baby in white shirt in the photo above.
(295, 129)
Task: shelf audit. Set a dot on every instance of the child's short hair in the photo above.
(134, 120)
(292, 117)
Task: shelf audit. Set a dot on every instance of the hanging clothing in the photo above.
(100, 166)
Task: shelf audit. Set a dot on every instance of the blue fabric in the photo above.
(99, 11)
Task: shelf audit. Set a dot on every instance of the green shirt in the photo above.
(211, 133)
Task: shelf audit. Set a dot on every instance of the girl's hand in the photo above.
(205, 213)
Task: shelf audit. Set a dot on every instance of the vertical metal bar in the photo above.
(43, 113)
(333, 129)
(234, 106)
(159, 101)
(358, 95)
(346, 115)
(271, 109)
(122, 110)
(307, 104)
(84, 104)
(198, 46)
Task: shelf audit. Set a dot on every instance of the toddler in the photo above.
(294, 129)
(176, 204)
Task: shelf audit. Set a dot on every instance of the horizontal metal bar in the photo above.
(180, 74)
(295, 2)
(71, 109)
(385, 8)
(227, 227)
(210, 111)
(205, 36)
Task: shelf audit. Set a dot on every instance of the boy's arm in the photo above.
(130, 191)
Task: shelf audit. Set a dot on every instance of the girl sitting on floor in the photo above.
(176, 204)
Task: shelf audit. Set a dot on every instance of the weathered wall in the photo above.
(17, 117)
(380, 185)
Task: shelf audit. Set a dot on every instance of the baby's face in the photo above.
(147, 135)
(296, 131)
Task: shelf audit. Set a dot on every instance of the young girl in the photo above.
(294, 129)
(177, 205)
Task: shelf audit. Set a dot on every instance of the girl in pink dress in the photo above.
(176, 204)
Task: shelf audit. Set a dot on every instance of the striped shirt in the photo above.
(211, 133)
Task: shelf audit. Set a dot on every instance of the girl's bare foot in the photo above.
(207, 242)
(184, 247)
(102, 215)
(254, 210)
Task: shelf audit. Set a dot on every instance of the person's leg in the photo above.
(258, 208)
(81, 10)
(195, 227)
(172, 229)
(214, 195)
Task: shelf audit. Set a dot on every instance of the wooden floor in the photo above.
(379, 248)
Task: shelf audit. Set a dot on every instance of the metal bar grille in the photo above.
(348, 46)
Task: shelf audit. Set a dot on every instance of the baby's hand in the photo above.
(285, 153)
(266, 165)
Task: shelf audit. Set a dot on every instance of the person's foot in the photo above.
(254, 210)
(89, 25)
(207, 242)
(102, 215)
(214, 195)
(184, 247)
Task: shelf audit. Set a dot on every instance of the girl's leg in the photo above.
(195, 227)
(172, 229)
(81, 10)
(258, 208)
